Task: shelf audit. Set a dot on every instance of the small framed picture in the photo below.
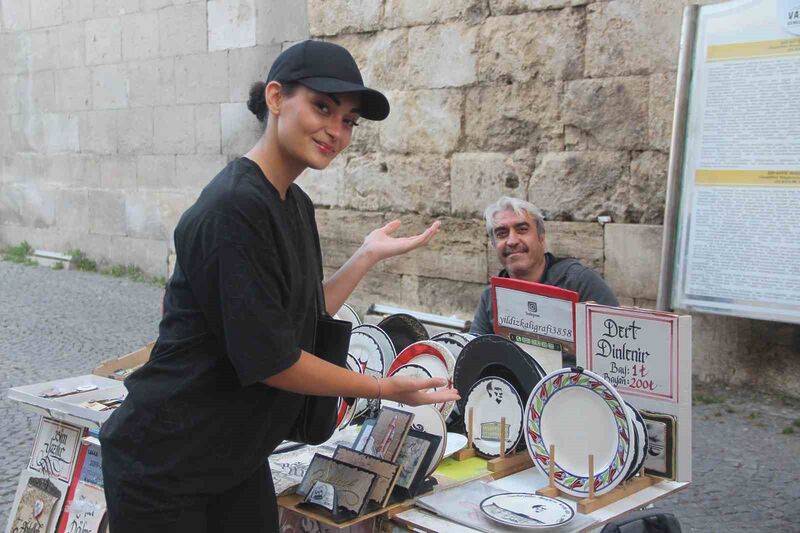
(353, 484)
(387, 472)
(661, 438)
(417, 452)
(388, 435)
(364, 434)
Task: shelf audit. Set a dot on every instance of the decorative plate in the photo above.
(640, 441)
(427, 419)
(492, 355)
(368, 353)
(436, 359)
(455, 342)
(381, 339)
(349, 314)
(522, 509)
(581, 414)
(403, 330)
(491, 399)
(455, 442)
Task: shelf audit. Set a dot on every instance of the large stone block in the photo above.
(279, 22)
(118, 172)
(201, 78)
(661, 106)
(37, 92)
(580, 240)
(382, 57)
(139, 35)
(607, 113)
(231, 24)
(523, 115)
(46, 13)
(246, 66)
(455, 253)
(325, 187)
(156, 172)
(193, 172)
(331, 17)
(98, 132)
(115, 8)
(72, 209)
(632, 37)
(633, 259)
(53, 132)
(16, 15)
(5, 137)
(173, 128)
(379, 182)
(342, 231)
(366, 137)
(42, 44)
(578, 185)
(73, 89)
(77, 10)
(240, 129)
(103, 41)
(448, 298)
(38, 207)
(110, 87)
(645, 196)
(542, 45)
(443, 55)
(151, 82)
(423, 121)
(84, 170)
(182, 30)
(71, 45)
(135, 130)
(107, 212)
(419, 12)
(207, 126)
(10, 205)
(479, 178)
(9, 94)
(513, 7)
(384, 288)
(15, 52)
(143, 217)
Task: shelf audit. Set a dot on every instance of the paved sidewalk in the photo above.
(56, 324)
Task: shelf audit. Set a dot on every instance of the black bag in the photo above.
(317, 420)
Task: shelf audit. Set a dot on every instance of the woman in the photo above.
(187, 450)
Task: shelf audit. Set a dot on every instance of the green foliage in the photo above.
(796, 422)
(82, 262)
(19, 254)
(706, 399)
(58, 265)
(788, 430)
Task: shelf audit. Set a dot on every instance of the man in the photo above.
(517, 231)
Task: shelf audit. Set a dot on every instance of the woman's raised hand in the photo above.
(416, 391)
(380, 244)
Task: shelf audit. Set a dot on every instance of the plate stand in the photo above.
(468, 451)
(592, 503)
(505, 465)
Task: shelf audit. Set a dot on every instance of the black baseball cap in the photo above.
(327, 68)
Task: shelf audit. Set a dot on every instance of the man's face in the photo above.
(519, 248)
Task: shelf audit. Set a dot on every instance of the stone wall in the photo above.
(114, 114)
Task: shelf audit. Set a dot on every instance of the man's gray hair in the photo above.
(520, 207)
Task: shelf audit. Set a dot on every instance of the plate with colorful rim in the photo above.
(383, 341)
(492, 399)
(403, 329)
(455, 342)
(436, 358)
(526, 510)
(427, 419)
(492, 355)
(346, 312)
(455, 442)
(581, 414)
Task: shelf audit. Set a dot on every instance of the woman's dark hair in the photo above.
(257, 104)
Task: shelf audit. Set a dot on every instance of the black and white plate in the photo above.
(383, 341)
(526, 510)
(492, 399)
(404, 330)
(349, 314)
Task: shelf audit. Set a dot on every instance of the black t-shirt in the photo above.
(238, 309)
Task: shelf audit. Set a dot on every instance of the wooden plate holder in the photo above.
(506, 464)
(592, 503)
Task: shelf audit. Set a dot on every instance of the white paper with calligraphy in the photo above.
(647, 356)
(55, 449)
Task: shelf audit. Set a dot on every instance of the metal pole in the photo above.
(676, 154)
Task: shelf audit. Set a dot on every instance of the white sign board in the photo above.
(55, 449)
(647, 356)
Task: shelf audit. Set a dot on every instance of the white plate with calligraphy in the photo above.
(383, 341)
(433, 357)
(492, 399)
(581, 414)
(349, 314)
(427, 419)
(526, 510)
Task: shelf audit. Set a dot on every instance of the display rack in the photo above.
(506, 464)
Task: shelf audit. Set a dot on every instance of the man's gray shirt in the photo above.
(565, 273)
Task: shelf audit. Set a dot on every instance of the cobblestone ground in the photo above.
(56, 324)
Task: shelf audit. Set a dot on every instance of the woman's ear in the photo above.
(273, 96)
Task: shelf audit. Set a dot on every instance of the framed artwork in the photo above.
(415, 455)
(363, 436)
(55, 449)
(37, 503)
(661, 434)
(353, 484)
(386, 438)
(385, 471)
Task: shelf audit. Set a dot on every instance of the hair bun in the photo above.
(256, 102)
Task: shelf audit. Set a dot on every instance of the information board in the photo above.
(737, 241)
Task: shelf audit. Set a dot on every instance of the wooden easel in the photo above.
(592, 503)
(507, 463)
(468, 452)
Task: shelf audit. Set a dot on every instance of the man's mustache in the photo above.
(508, 250)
